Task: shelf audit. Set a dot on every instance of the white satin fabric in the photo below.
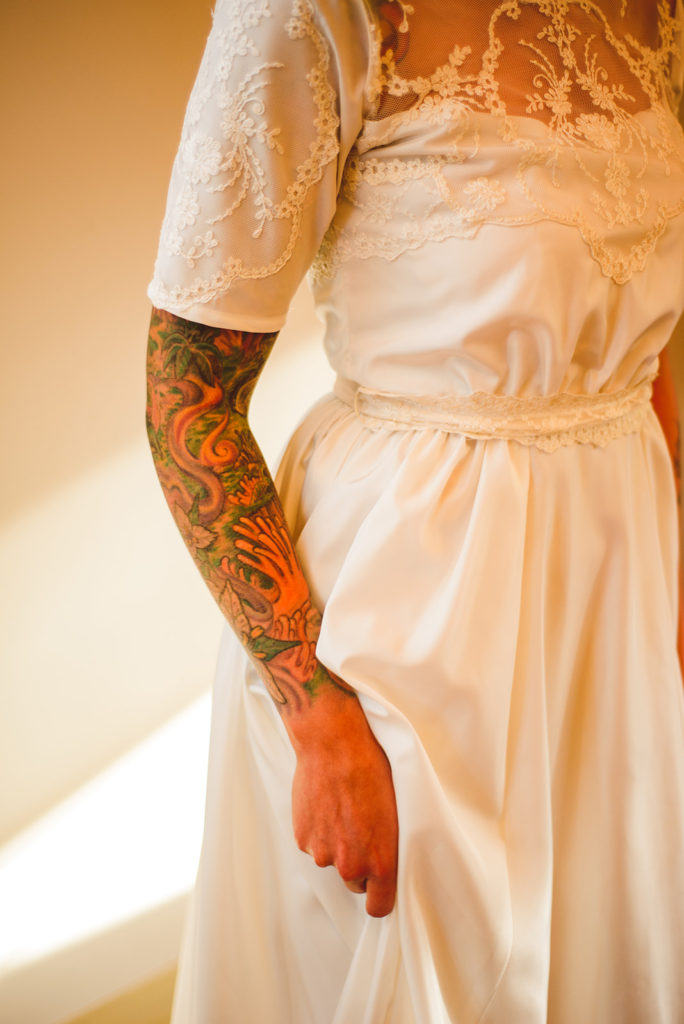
(508, 618)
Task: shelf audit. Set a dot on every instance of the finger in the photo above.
(357, 885)
(321, 857)
(380, 896)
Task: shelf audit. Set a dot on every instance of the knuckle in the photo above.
(349, 872)
(350, 867)
(321, 858)
(383, 870)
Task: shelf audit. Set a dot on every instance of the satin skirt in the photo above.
(508, 618)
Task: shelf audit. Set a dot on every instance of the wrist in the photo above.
(332, 709)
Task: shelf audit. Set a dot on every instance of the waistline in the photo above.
(547, 422)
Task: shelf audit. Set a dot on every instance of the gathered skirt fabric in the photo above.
(508, 618)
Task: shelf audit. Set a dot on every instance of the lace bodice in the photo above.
(426, 157)
(576, 101)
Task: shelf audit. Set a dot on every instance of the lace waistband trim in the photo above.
(547, 422)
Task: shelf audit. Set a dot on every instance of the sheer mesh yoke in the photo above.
(513, 113)
(552, 61)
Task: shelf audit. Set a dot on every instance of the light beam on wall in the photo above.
(125, 842)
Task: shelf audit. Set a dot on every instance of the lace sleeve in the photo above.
(276, 106)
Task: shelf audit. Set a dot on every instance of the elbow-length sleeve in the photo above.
(276, 106)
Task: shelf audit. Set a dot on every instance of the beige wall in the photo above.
(94, 96)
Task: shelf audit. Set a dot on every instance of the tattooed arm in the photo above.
(665, 405)
(217, 485)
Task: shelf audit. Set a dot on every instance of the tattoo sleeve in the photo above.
(665, 405)
(221, 495)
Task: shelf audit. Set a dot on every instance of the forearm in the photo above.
(665, 405)
(224, 502)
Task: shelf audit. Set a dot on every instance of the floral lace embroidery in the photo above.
(233, 165)
(585, 158)
(545, 422)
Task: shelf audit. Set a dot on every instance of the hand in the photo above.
(343, 804)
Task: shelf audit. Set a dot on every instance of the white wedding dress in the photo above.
(494, 209)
